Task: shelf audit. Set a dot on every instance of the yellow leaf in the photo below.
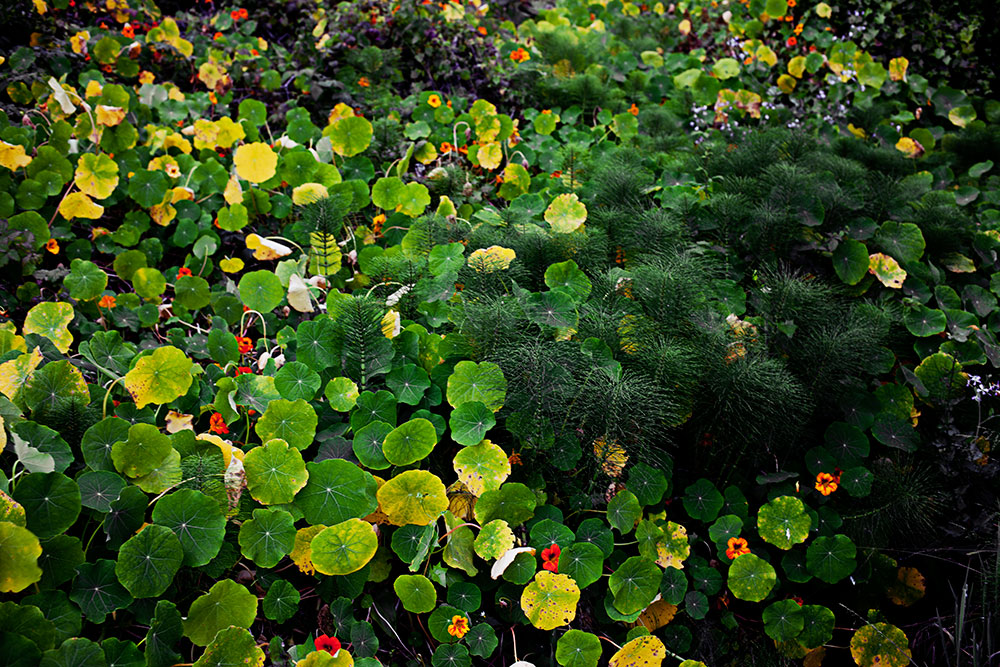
(255, 162)
(786, 83)
(340, 111)
(206, 134)
(163, 214)
(766, 55)
(79, 205)
(646, 650)
(897, 69)
(908, 587)
(40, 6)
(96, 175)
(887, 270)
(227, 449)
(301, 553)
(231, 265)
(211, 74)
(489, 155)
(298, 294)
(911, 147)
(685, 27)
(78, 43)
(178, 421)
(308, 193)
(14, 374)
(93, 89)
(656, 615)
(229, 132)
(494, 258)
(181, 193)
(13, 156)
(264, 249)
(797, 66)
(51, 319)
(857, 131)
(109, 116)
(233, 194)
(550, 600)
(824, 10)
(391, 324)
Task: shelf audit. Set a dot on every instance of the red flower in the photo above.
(550, 558)
(128, 31)
(217, 35)
(329, 644)
(791, 41)
(184, 271)
(244, 344)
(240, 370)
(216, 424)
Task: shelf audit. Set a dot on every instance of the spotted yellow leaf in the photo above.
(266, 249)
(109, 116)
(897, 68)
(51, 320)
(550, 600)
(647, 651)
(887, 270)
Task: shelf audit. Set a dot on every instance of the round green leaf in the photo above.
(75, 652)
(881, 645)
(673, 585)
(647, 483)
(99, 488)
(624, 511)
(783, 522)
(902, 240)
(295, 380)
(440, 619)
(513, 502)
(482, 640)
(922, 321)
(568, 277)
(367, 445)
(275, 472)
(465, 595)
(702, 500)
(416, 592)
(942, 377)
(281, 601)
(336, 490)
(268, 537)
(86, 280)
(451, 655)
(583, 562)
(408, 382)
(226, 604)
(261, 291)
(783, 620)
(726, 68)
(149, 283)
(566, 213)
(847, 442)
(291, 421)
(483, 382)
(159, 377)
(342, 393)
(148, 188)
(19, 564)
(634, 584)
(410, 442)
(415, 496)
(817, 627)
(550, 600)
(725, 528)
(554, 308)
(577, 648)
(850, 261)
(96, 590)
(469, 423)
(142, 452)
(751, 578)
(51, 502)
(831, 558)
(350, 136)
(197, 521)
(344, 548)
(231, 646)
(148, 561)
(192, 292)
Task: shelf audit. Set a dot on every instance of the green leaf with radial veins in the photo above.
(148, 561)
(336, 490)
(275, 472)
(226, 604)
(292, 421)
(783, 522)
(268, 537)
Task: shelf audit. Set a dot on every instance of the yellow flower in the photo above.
(52, 246)
(826, 483)
(459, 626)
(434, 101)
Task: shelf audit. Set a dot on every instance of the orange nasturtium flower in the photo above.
(128, 31)
(826, 483)
(183, 271)
(514, 459)
(52, 246)
(446, 147)
(550, 558)
(217, 35)
(798, 29)
(364, 82)
(459, 626)
(791, 3)
(791, 41)
(481, 30)
(634, 110)
(519, 55)
(736, 546)
(377, 223)
(216, 424)
(107, 301)
(434, 101)
(244, 344)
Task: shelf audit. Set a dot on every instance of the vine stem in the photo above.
(104, 405)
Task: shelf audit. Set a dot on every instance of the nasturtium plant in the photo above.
(159, 377)
(344, 548)
(751, 578)
(148, 561)
(293, 422)
(413, 497)
(550, 601)
(577, 648)
(831, 558)
(784, 522)
(226, 604)
(416, 593)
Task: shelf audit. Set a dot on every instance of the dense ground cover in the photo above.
(409, 333)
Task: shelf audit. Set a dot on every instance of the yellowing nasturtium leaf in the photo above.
(231, 264)
(344, 548)
(881, 645)
(751, 578)
(13, 156)
(674, 549)
(644, 651)
(232, 646)
(308, 193)
(19, 564)
(14, 374)
(109, 116)
(415, 496)
(324, 659)
(786, 83)
(897, 68)
(96, 175)
(887, 270)
(266, 249)
(550, 600)
(797, 66)
(489, 155)
(566, 213)
(958, 263)
(255, 162)
(226, 604)
(783, 522)
(908, 587)
(52, 321)
(494, 258)
(482, 467)
(233, 194)
(301, 553)
(350, 135)
(495, 539)
(824, 10)
(656, 615)
(159, 377)
(909, 146)
(79, 205)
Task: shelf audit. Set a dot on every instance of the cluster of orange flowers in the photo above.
(364, 82)
(519, 55)
(238, 14)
